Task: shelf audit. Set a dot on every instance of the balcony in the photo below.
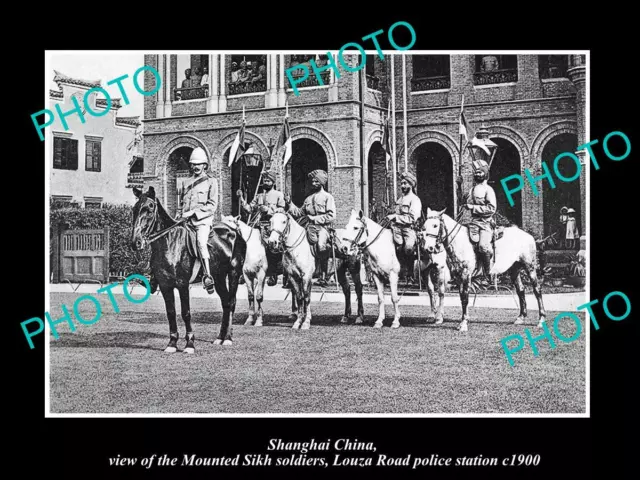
(373, 82)
(135, 180)
(311, 80)
(495, 77)
(430, 83)
(255, 86)
(191, 93)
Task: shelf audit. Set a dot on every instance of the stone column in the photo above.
(222, 101)
(160, 95)
(577, 73)
(282, 93)
(271, 99)
(212, 100)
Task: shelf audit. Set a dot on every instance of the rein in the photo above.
(283, 240)
(156, 236)
(355, 242)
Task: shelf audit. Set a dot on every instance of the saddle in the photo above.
(474, 235)
(221, 235)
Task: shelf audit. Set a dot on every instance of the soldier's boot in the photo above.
(272, 277)
(207, 279)
(324, 267)
(486, 257)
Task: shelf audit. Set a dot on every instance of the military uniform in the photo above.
(199, 202)
(408, 209)
(482, 205)
(320, 209)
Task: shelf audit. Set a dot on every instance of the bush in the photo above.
(119, 219)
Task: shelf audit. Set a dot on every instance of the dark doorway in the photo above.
(177, 172)
(434, 173)
(566, 194)
(506, 162)
(378, 175)
(306, 156)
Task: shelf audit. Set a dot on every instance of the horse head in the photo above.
(231, 221)
(430, 233)
(279, 224)
(145, 215)
(354, 233)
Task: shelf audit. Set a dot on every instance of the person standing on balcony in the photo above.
(205, 78)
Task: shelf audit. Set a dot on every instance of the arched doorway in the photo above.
(377, 175)
(177, 171)
(566, 194)
(434, 174)
(506, 162)
(244, 177)
(306, 156)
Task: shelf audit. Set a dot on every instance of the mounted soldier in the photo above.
(320, 210)
(481, 202)
(404, 223)
(198, 204)
(263, 206)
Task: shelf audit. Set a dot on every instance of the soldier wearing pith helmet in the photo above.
(198, 204)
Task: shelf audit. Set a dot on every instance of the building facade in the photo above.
(532, 105)
(91, 161)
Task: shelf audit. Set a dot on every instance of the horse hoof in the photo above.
(463, 327)
(227, 342)
(258, 323)
(359, 321)
(344, 319)
(249, 321)
(519, 321)
(541, 322)
(439, 321)
(377, 325)
(189, 350)
(293, 318)
(395, 325)
(218, 342)
(305, 326)
(170, 350)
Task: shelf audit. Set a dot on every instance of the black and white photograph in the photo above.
(287, 233)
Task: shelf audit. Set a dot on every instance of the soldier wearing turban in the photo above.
(404, 220)
(320, 209)
(264, 205)
(481, 201)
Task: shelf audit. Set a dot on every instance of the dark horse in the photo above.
(173, 259)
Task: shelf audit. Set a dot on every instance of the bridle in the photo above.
(282, 237)
(355, 243)
(438, 236)
(147, 234)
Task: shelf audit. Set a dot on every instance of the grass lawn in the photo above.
(117, 365)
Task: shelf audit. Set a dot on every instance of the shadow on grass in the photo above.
(132, 340)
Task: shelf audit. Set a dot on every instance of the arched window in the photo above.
(553, 66)
(248, 74)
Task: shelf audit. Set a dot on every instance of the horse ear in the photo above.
(442, 211)
(236, 218)
(151, 193)
(137, 192)
(360, 214)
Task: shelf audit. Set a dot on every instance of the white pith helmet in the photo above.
(198, 156)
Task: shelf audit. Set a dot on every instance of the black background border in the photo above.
(80, 447)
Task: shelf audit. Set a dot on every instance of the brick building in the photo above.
(532, 105)
(91, 161)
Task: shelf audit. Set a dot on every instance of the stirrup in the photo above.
(207, 283)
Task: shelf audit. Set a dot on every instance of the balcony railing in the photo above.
(495, 76)
(255, 86)
(191, 93)
(553, 71)
(135, 180)
(424, 84)
(373, 82)
(311, 80)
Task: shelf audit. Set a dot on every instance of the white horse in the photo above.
(255, 266)
(436, 275)
(362, 233)
(515, 250)
(297, 261)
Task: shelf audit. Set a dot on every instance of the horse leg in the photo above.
(537, 291)
(341, 272)
(393, 283)
(186, 317)
(464, 299)
(357, 280)
(170, 304)
(223, 293)
(306, 301)
(251, 287)
(296, 302)
(516, 279)
(436, 275)
(429, 286)
(259, 292)
(380, 288)
(234, 280)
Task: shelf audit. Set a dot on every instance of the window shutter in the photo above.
(57, 152)
(73, 155)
